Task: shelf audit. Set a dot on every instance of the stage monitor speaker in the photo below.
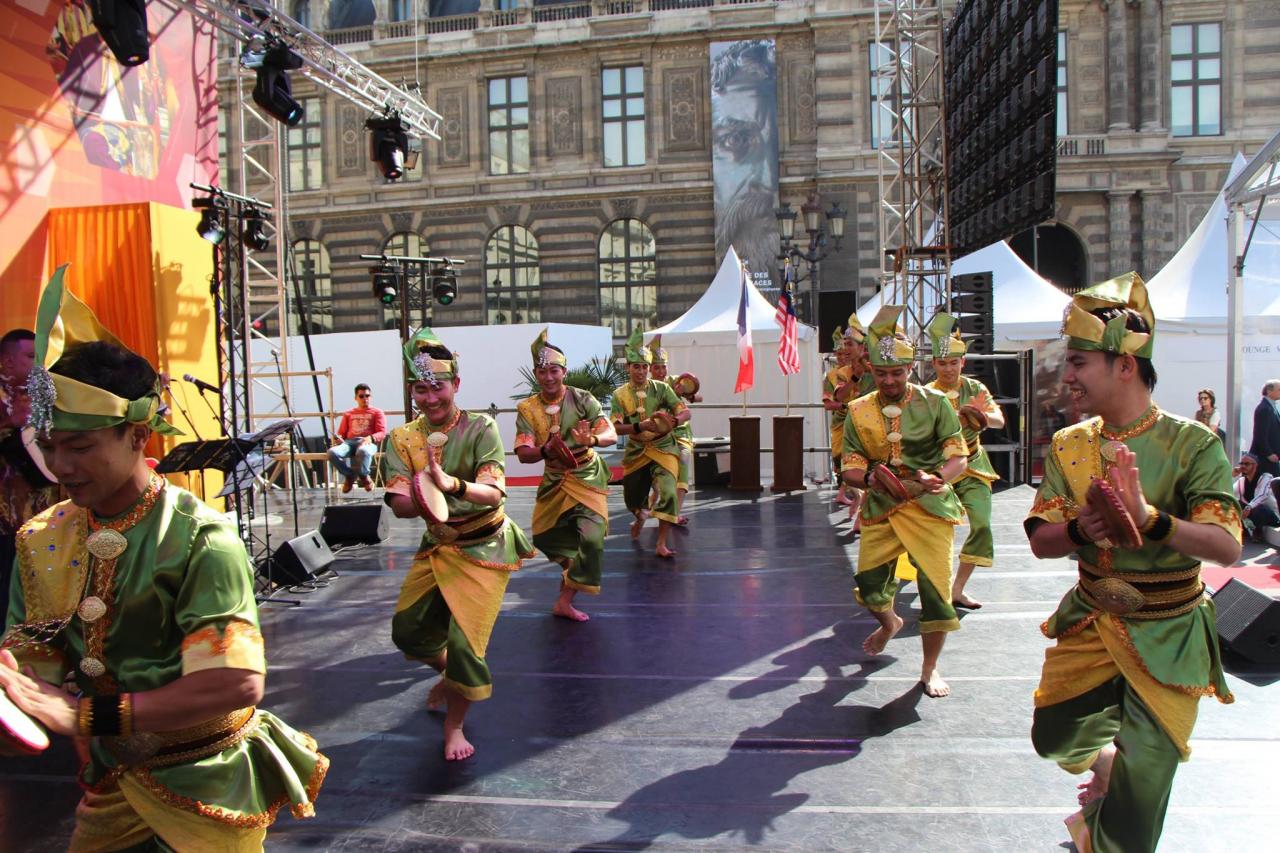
(355, 524)
(1248, 622)
(300, 559)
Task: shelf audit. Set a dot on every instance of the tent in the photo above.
(1189, 297)
(1027, 307)
(704, 341)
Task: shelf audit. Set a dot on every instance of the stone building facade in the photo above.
(1133, 176)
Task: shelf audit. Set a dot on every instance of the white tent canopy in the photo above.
(704, 341)
(1027, 307)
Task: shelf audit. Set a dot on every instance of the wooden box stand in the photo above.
(788, 454)
(744, 453)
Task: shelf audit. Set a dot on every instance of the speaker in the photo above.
(299, 560)
(355, 524)
(1248, 622)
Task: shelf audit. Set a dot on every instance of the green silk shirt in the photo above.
(930, 434)
(837, 376)
(533, 428)
(629, 407)
(979, 462)
(1184, 471)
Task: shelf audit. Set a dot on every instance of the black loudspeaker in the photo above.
(1248, 622)
(355, 524)
(299, 560)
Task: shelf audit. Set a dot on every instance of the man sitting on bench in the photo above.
(359, 434)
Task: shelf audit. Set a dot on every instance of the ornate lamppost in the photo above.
(820, 235)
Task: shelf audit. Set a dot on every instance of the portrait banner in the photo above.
(744, 154)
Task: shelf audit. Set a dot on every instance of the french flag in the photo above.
(746, 359)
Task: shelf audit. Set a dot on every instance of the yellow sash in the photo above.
(564, 496)
(869, 422)
(53, 561)
(1079, 457)
(910, 530)
(669, 461)
(473, 593)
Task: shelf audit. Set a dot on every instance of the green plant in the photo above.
(599, 377)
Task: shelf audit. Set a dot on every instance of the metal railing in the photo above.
(1076, 146)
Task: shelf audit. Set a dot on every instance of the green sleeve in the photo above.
(852, 441)
(945, 420)
(488, 447)
(669, 400)
(1208, 482)
(828, 387)
(618, 410)
(523, 427)
(393, 464)
(1053, 501)
(588, 406)
(218, 586)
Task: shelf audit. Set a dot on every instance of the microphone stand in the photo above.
(186, 416)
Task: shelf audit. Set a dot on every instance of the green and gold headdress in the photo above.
(422, 365)
(657, 354)
(635, 351)
(887, 344)
(855, 332)
(62, 403)
(837, 337)
(1086, 332)
(544, 354)
(944, 337)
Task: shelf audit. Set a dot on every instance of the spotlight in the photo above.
(123, 27)
(272, 91)
(389, 144)
(254, 233)
(386, 281)
(210, 227)
(445, 289)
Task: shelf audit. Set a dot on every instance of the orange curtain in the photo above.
(109, 249)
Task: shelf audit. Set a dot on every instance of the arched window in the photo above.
(302, 12)
(401, 243)
(628, 272)
(511, 277)
(309, 265)
(1056, 253)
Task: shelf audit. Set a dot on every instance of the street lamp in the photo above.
(816, 251)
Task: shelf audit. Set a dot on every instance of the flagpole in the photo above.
(788, 409)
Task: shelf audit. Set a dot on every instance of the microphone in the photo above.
(202, 385)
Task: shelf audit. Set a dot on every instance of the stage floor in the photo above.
(720, 701)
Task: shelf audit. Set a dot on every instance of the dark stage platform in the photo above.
(717, 702)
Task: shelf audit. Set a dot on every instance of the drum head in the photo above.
(19, 730)
(663, 422)
(430, 500)
(891, 483)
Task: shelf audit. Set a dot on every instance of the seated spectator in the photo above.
(360, 432)
(1207, 412)
(1257, 499)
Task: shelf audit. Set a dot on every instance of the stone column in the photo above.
(1150, 61)
(1119, 217)
(1155, 231)
(1118, 82)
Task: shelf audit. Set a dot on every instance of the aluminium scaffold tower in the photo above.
(908, 79)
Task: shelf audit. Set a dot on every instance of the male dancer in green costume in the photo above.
(453, 591)
(1136, 642)
(145, 595)
(850, 370)
(571, 514)
(650, 459)
(683, 432)
(974, 486)
(914, 432)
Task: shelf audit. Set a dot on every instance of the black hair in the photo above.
(13, 336)
(109, 367)
(1134, 322)
(439, 353)
(363, 387)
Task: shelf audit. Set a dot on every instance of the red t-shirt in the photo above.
(359, 423)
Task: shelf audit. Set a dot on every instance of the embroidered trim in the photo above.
(853, 460)
(953, 447)
(1074, 629)
(220, 641)
(1188, 689)
(1216, 512)
(1146, 422)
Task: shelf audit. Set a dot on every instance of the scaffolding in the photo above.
(908, 80)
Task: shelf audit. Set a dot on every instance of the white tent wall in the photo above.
(489, 361)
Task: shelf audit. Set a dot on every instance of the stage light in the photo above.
(123, 27)
(272, 91)
(445, 289)
(210, 226)
(254, 233)
(389, 144)
(386, 283)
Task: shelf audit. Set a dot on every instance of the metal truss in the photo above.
(915, 256)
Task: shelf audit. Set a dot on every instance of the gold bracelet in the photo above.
(84, 717)
(126, 714)
(1152, 515)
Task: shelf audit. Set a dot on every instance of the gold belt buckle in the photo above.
(443, 532)
(1117, 596)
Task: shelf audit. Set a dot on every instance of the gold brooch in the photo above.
(106, 544)
(553, 409)
(894, 437)
(93, 667)
(92, 609)
(438, 439)
(1111, 450)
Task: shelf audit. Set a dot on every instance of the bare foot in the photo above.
(1096, 787)
(966, 602)
(934, 686)
(565, 610)
(879, 638)
(436, 696)
(843, 499)
(456, 745)
(638, 524)
(664, 552)
(682, 520)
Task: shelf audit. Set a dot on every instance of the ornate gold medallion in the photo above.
(92, 667)
(892, 411)
(438, 439)
(1110, 450)
(1117, 596)
(106, 544)
(92, 609)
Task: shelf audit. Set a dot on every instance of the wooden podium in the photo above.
(788, 454)
(744, 454)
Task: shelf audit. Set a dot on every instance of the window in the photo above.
(623, 110)
(309, 265)
(1061, 88)
(508, 125)
(400, 10)
(401, 243)
(306, 161)
(883, 102)
(1195, 75)
(511, 277)
(302, 12)
(628, 272)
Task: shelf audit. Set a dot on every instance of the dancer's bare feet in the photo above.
(967, 602)
(664, 552)
(638, 524)
(1096, 787)
(934, 686)
(879, 638)
(456, 745)
(565, 610)
(843, 499)
(683, 521)
(437, 696)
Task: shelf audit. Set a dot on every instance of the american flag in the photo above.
(746, 359)
(788, 349)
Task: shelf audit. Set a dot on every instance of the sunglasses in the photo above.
(363, 396)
